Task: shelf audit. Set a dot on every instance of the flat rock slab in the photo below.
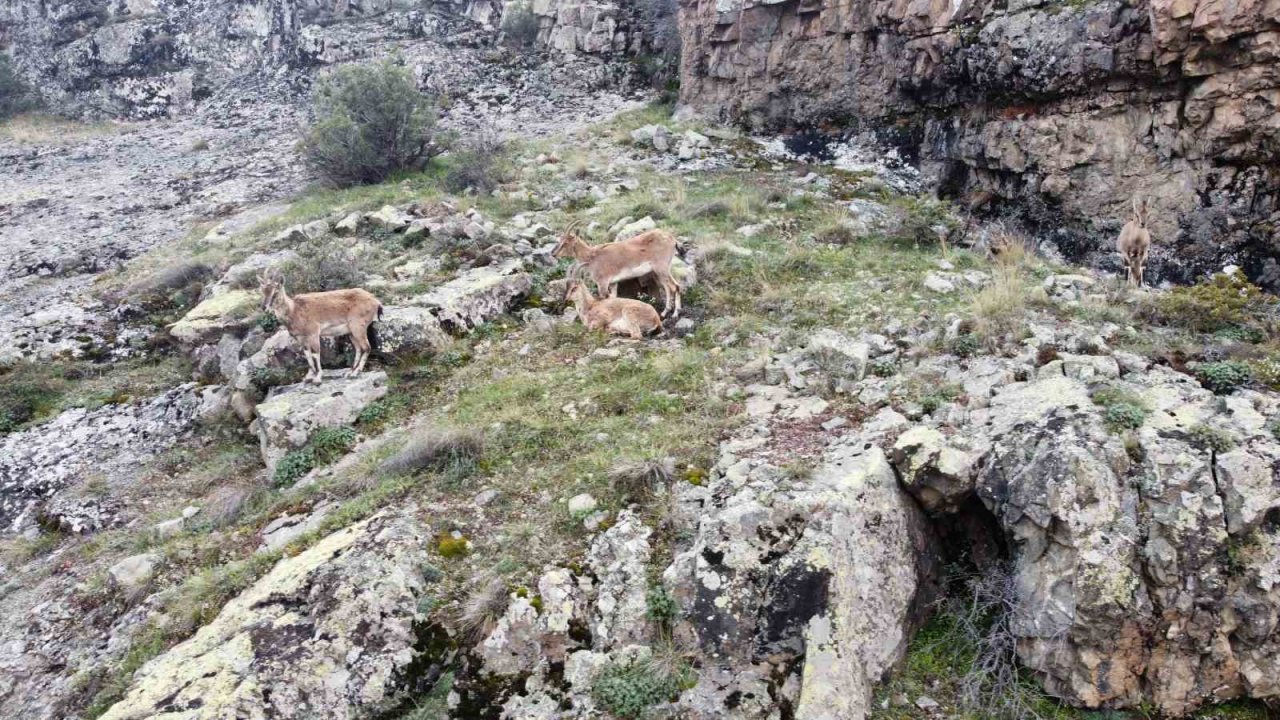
(291, 413)
(325, 634)
(477, 295)
(227, 312)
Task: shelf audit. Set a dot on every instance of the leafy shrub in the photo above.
(1122, 410)
(293, 466)
(1124, 416)
(267, 322)
(1222, 303)
(16, 96)
(520, 25)
(371, 121)
(661, 608)
(324, 446)
(936, 398)
(1274, 427)
(965, 345)
(627, 690)
(1210, 438)
(835, 233)
(320, 267)
(478, 165)
(884, 368)
(1223, 377)
(641, 477)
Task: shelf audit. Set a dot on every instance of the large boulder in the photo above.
(477, 295)
(822, 579)
(410, 329)
(227, 312)
(325, 634)
(290, 414)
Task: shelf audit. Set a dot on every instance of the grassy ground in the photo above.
(42, 129)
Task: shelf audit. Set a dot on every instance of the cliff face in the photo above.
(1080, 105)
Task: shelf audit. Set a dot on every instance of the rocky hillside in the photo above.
(897, 459)
(1065, 109)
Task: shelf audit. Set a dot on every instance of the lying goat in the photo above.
(620, 316)
(310, 316)
(611, 263)
(1134, 242)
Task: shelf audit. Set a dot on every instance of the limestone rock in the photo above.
(231, 311)
(323, 634)
(477, 295)
(618, 558)
(290, 414)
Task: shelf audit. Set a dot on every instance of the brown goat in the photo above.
(620, 316)
(611, 263)
(1134, 242)
(310, 316)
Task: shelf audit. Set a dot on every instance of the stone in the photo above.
(940, 283)
(410, 330)
(331, 627)
(837, 355)
(618, 558)
(581, 504)
(231, 311)
(348, 225)
(290, 414)
(631, 229)
(476, 295)
(134, 572)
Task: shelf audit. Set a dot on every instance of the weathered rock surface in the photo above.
(290, 414)
(42, 468)
(324, 634)
(1074, 107)
(477, 295)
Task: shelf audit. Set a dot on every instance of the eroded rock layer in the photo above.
(1070, 106)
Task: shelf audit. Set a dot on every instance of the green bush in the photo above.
(884, 368)
(479, 163)
(918, 221)
(1267, 371)
(1223, 377)
(965, 345)
(1210, 438)
(661, 607)
(15, 95)
(293, 466)
(1223, 303)
(320, 267)
(1123, 416)
(370, 121)
(627, 690)
(519, 24)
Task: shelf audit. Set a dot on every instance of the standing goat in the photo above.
(310, 316)
(611, 263)
(1134, 242)
(620, 316)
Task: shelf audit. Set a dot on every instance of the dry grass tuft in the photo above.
(441, 450)
(39, 129)
(479, 612)
(643, 477)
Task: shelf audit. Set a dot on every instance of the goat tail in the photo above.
(375, 342)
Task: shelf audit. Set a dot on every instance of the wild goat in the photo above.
(1134, 242)
(620, 316)
(611, 263)
(310, 316)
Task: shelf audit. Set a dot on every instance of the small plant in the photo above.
(519, 24)
(1224, 376)
(644, 476)
(320, 267)
(371, 121)
(452, 545)
(1225, 302)
(835, 233)
(267, 322)
(1267, 371)
(661, 608)
(921, 222)
(1123, 416)
(884, 368)
(1122, 410)
(965, 345)
(479, 163)
(480, 611)
(1210, 438)
(293, 466)
(1274, 427)
(695, 476)
(936, 398)
(628, 690)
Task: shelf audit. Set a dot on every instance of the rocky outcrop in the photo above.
(43, 468)
(290, 414)
(1064, 107)
(325, 634)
